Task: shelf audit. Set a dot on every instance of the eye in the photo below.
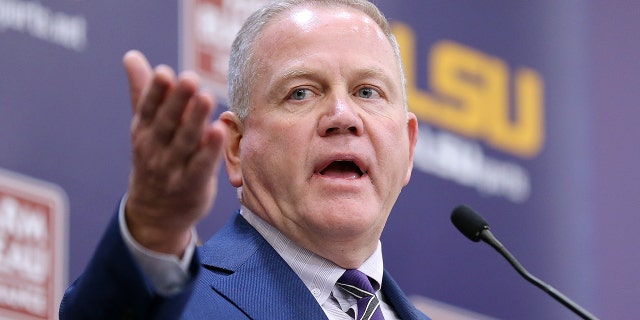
(300, 94)
(368, 93)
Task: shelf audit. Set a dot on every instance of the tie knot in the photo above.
(356, 283)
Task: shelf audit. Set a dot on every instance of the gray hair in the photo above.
(243, 65)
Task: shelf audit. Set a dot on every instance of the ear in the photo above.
(232, 147)
(412, 131)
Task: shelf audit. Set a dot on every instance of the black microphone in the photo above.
(474, 227)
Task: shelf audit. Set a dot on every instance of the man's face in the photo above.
(327, 145)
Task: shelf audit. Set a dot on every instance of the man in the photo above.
(319, 143)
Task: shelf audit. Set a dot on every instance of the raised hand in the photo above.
(176, 155)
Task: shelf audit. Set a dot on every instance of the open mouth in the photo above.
(342, 169)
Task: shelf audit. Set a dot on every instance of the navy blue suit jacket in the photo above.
(238, 275)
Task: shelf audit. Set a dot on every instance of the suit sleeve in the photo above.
(114, 287)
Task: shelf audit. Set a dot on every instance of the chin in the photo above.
(352, 216)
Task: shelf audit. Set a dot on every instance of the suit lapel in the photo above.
(401, 304)
(256, 279)
(261, 284)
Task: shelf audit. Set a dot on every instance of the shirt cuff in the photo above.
(168, 274)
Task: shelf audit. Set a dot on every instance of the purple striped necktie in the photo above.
(358, 285)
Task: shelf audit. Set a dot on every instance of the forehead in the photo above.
(317, 28)
(306, 17)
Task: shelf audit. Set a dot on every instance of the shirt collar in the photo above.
(317, 273)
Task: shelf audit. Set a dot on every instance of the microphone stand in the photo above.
(488, 237)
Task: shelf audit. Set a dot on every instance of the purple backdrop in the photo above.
(566, 212)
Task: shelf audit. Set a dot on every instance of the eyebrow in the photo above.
(279, 81)
(295, 73)
(376, 73)
(387, 80)
(303, 72)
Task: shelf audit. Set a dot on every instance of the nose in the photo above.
(341, 117)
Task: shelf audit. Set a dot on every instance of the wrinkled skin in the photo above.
(327, 145)
(322, 155)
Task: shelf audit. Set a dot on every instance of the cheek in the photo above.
(389, 137)
(392, 150)
(290, 134)
(274, 149)
(259, 164)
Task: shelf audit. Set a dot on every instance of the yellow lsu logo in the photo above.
(470, 95)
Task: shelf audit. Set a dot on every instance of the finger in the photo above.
(170, 115)
(207, 160)
(139, 74)
(153, 98)
(190, 134)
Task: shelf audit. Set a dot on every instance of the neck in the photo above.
(346, 252)
(349, 254)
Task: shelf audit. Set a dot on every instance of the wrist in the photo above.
(157, 234)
